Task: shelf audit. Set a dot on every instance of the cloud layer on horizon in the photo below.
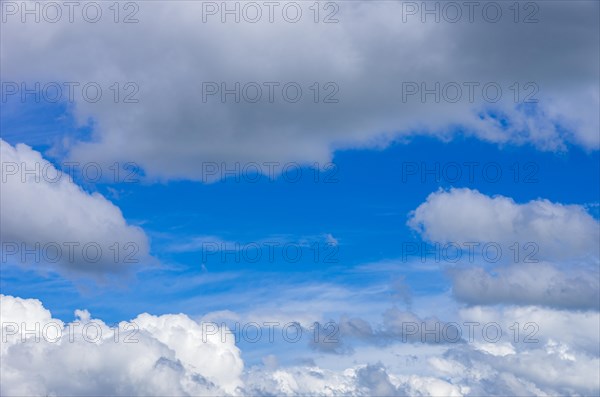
(175, 355)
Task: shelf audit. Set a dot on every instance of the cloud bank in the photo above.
(175, 355)
(370, 56)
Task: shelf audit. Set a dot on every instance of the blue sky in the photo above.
(362, 200)
(368, 193)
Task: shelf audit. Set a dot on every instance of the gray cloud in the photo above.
(574, 288)
(172, 133)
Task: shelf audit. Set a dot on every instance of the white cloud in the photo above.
(560, 232)
(577, 329)
(170, 355)
(46, 212)
(172, 133)
(556, 264)
(175, 355)
(560, 355)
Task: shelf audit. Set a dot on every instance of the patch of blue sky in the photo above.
(364, 212)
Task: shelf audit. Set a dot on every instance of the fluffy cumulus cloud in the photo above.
(354, 75)
(461, 216)
(532, 343)
(165, 355)
(49, 221)
(175, 355)
(371, 56)
(363, 380)
(557, 261)
(558, 342)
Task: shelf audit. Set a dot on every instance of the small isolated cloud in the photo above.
(560, 232)
(329, 239)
